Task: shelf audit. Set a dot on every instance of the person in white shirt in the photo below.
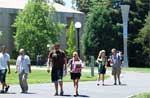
(115, 60)
(23, 68)
(4, 65)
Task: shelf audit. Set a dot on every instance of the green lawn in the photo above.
(130, 69)
(143, 95)
(41, 76)
(142, 70)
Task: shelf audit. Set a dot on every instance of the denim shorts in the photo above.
(3, 75)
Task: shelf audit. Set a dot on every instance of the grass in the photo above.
(130, 69)
(41, 76)
(142, 70)
(143, 95)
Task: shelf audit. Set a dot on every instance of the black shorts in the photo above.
(75, 76)
(57, 74)
(3, 75)
(101, 70)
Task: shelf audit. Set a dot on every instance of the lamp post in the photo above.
(48, 46)
(125, 12)
(78, 25)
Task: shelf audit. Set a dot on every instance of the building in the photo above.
(9, 9)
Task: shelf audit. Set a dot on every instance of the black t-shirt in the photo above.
(58, 58)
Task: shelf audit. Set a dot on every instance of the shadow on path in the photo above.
(123, 85)
(8, 93)
(83, 96)
(76, 96)
(114, 85)
(65, 95)
(108, 85)
(29, 93)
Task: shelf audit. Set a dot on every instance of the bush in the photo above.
(12, 62)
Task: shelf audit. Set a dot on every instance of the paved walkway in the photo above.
(133, 83)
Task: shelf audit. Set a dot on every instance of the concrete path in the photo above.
(132, 83)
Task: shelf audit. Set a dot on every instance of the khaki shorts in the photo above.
(116, 71)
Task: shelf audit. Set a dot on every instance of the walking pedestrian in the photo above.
(115, 61)
(23, 67)
(4, 67)
(57, 61)
(102, 65)
(76, 66)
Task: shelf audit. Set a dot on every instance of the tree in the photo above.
(101, 31)
(35, 29)
(59, 1)
(84, 5)
(71, 40)
(143, 40)
(138, 12)
(104, 30)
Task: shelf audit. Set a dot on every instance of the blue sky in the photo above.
(68, 3)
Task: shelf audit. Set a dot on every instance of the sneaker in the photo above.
(119, 83)
(115, 83)
(61, 93)
(24, 92)
(76, 94)
(56, 94)
(6, 89)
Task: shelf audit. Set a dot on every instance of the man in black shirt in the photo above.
(57, 60)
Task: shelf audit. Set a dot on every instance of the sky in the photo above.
(67, 3)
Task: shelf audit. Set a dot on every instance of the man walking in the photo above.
(4, 65)
(57, 60)
(23, 68)
(115, 60)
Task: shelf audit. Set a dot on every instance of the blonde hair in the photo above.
(76, 53)
(21, 50)
(113, 50)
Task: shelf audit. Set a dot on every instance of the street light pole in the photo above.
(78, 38)
(125, 12)
(78, 26)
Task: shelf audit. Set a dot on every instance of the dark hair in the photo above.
(3, 46)
(57, 45)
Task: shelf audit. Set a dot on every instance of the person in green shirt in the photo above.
(102, 65)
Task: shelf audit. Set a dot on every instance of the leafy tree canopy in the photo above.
(35, 28)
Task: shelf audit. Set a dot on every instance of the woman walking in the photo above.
(75, 71)
(102, 65)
